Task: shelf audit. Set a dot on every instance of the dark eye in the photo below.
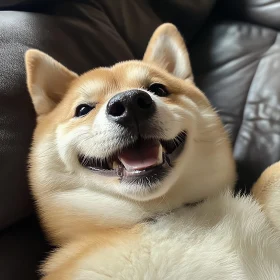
(158, 89)
(82, 110)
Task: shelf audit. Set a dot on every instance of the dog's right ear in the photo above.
(47, 80)
(167, 50)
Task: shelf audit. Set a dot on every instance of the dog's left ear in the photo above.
(167, 50)
(47, 80)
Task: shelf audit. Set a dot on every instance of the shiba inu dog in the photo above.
(132, 170)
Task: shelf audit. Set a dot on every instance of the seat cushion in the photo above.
(237, 65)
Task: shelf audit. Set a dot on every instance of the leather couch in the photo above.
(235, 53)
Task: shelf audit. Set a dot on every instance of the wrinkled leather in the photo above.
(263, 12)
(236, 64)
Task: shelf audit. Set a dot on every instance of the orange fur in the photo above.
(266, 182)
(165, 32)
(84, 212)
(62, 263)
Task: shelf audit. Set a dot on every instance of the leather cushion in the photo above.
(263, 12)
(237, 65)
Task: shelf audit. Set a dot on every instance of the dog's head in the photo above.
(117, 145)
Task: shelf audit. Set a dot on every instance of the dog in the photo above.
(132, 173)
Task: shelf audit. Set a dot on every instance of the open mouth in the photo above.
(145, 157)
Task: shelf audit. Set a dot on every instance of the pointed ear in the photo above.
(47, 80)
(167, 50)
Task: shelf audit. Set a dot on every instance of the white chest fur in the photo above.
(222, 238)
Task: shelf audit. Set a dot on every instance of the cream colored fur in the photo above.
(106, 229)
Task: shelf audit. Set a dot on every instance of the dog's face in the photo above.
(117, 145)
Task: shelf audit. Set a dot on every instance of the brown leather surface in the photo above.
(236, 64)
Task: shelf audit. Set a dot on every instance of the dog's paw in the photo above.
(267, 191)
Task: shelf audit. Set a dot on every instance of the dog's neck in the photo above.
(154, 218)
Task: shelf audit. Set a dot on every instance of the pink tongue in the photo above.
(140, 157)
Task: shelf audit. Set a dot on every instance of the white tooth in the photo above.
(115, 165)
(159, 158)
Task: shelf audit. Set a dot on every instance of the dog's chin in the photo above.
(140, 166)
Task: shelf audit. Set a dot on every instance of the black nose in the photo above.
(131, 106)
